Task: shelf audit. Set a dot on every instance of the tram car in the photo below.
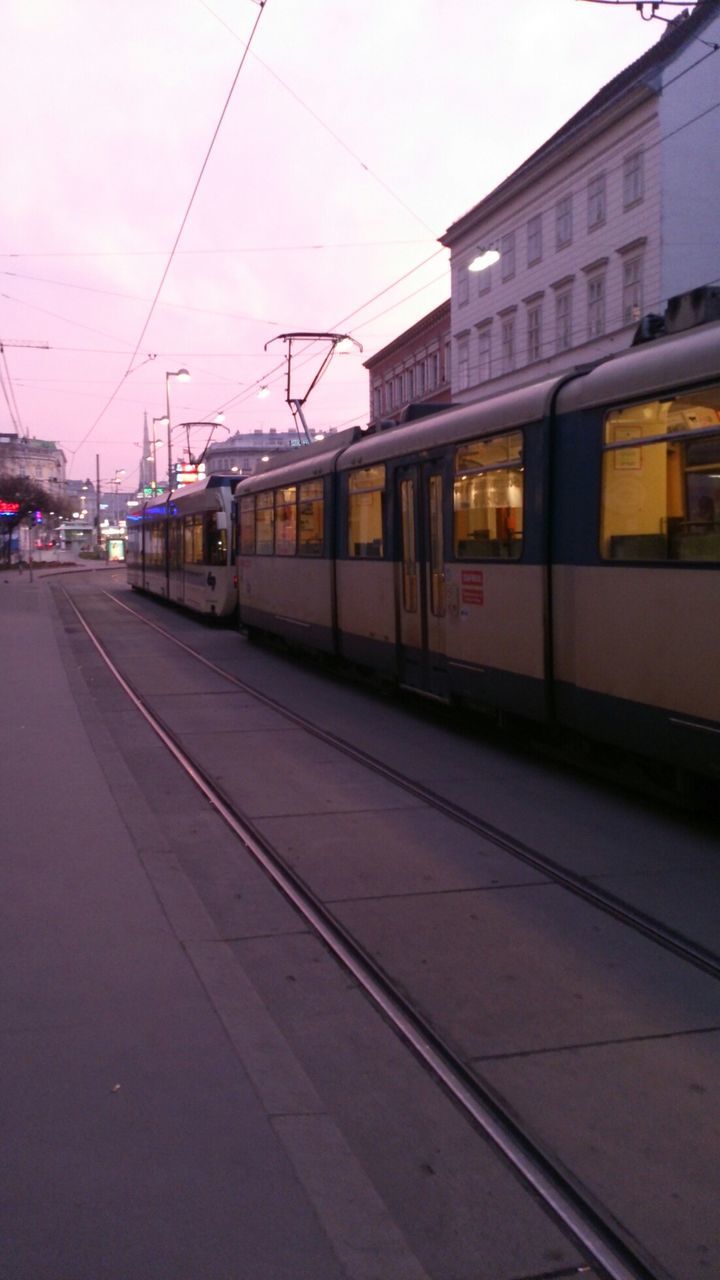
(183, 549)
(551, 552)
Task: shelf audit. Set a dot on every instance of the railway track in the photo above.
(600, 1238)
(670, 939)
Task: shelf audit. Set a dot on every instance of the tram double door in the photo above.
(421, 589)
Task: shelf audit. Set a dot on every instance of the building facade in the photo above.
(415, 368)
(612, 216)
(243, 451)
(39, 460)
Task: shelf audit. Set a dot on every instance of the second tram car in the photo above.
(183, 549)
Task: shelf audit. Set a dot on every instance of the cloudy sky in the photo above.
(355, 134)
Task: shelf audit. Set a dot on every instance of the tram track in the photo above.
(674, 941)
(600, 1240)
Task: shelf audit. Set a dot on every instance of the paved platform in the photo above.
(192, 1088)
(134, 1143)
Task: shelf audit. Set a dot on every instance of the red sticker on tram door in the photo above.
(472, 586)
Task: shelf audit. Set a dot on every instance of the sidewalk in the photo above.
(135, 1146)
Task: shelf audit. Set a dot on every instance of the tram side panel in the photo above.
(285, 571)
(636, 583)
(496, 572)
(441, 576)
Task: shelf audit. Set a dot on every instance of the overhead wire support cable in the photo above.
(325, 126)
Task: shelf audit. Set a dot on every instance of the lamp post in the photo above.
(157, 422)
(184, 376)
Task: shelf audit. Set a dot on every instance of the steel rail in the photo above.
(670, 939)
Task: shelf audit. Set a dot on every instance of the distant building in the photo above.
(38, 460)
(612, 216)
(412, 369)
(243, 451)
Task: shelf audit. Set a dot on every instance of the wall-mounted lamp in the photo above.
(483, 259)
(263, 393)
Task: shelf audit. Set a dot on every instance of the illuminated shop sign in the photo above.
(8, 509)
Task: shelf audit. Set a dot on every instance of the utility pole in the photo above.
(97, 503)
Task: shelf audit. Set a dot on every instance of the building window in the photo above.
(448, 363)
(377, 401)
(434, 368)
(507, 343)
(596, 305)
(463, 286)
(534, 331)
(534, 239)
(633, 179)
(484, 363)
(632, 269)
(463, 355)
(420, 378)
(484, 281)
(398, 395)
(563, 320)
(388, 397)
(563, 222)
(596, 202)
(507, 256)
(409, 384)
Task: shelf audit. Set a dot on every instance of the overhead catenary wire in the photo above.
(183, 223)
(324, 125)
(238, 249)
(8, 392)
(268, 376)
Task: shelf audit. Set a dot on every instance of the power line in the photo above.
(134, 297)
(9, 394)
(186, 215)
(269, 374)
(184, 253)
(323, 124)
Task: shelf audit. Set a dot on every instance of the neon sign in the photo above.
(9, 509)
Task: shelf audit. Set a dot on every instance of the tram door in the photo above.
(422, 591)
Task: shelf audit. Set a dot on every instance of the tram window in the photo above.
(175, 535)
(193, 539)
(285, 521)
(437, 554)
(311, 517)
(155, 545)
(661, 480)
(366, 491)
(247, 526)
(488, 498)
(409, 546)
(264, 519)
(215, 539)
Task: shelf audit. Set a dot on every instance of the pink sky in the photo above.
(356, 134)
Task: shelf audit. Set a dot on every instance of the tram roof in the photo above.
(677, 361)
(515, 408)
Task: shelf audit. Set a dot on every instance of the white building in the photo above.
(612, 216)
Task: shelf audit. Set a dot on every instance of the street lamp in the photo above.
(157, 422)
(183, 376)
(483, 259)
